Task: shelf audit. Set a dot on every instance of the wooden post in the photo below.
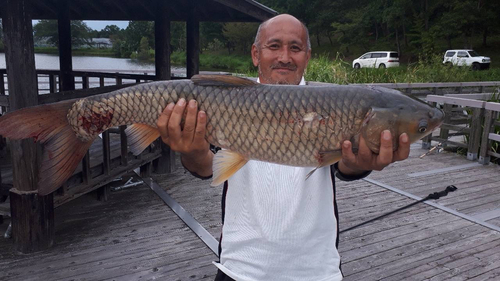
(66, 79)
(163, 164)
(32, 215)
(484, 158)
(475, 134)
(443, 133)
(192, 41)
(427, 141)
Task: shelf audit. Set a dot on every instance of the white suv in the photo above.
(466, 58)
(381, 59)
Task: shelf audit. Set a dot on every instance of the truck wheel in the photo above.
(476, 66)
(357, 66)
(381, 65)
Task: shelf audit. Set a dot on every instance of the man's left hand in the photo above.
(366, 160)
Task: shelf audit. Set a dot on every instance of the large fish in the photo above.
(291, 125)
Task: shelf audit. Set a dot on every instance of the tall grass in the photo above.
(324, 69)
(232, 63)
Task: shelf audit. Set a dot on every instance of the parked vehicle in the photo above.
(380, 59)
(466, 58)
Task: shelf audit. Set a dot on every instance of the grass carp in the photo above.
(285, 124)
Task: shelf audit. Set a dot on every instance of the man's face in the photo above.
(282, 55)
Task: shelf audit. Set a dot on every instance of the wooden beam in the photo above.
(253, 9)
(192, 41)
(162, 41)
(67, 81)
(32, 215)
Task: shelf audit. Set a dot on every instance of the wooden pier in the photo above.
(140, 238)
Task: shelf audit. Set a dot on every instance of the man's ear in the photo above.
(308, 56)
(255, 55)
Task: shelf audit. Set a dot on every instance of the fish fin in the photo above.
(226, 163)
(61, 155)
(140, 136)
(327, 158)
(222, 80)
(47, 124)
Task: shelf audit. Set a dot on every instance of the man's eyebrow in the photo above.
(276, 40)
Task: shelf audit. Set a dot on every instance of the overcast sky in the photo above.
(98, 25)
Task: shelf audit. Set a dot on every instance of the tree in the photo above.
(47, 29)
(109, 30)
(240, 35)
(134, 33)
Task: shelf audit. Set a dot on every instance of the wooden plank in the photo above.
(492, 106)
(494, 137)
(456, 101)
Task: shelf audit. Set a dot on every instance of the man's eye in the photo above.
(296, 48)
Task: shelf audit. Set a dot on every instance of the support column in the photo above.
(192, 41)
(32, 215)
(66, 79)
(165, 163)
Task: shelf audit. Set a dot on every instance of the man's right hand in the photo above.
(189, 141)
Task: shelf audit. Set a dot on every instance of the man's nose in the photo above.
(284, 55)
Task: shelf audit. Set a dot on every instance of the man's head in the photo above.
(281, 50)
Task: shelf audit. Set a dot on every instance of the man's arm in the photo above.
(366, 160)
(189, 141)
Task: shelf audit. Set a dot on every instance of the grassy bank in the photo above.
(78, 52)
(324, 69)
(231, 63)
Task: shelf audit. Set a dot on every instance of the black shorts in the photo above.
(221, 276)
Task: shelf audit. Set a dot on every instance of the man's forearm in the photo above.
(198, 165)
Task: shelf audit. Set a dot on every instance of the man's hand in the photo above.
(189, 141)
(366, 160)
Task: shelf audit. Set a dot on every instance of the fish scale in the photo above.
(284, 124)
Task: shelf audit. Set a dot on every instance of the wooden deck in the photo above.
(140, 238)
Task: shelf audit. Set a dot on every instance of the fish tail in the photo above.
(48, 124)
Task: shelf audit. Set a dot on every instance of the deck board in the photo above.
(135, 236)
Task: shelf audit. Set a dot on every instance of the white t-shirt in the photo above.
(278, 225)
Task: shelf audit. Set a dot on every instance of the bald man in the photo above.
(276, 225)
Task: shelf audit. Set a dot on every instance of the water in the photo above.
(92, 64)
(89, 63)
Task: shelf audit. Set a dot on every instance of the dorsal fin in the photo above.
(222, 80)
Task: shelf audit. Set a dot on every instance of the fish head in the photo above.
(401, 114)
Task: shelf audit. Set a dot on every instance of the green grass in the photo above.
(338, 71)
(77, 52)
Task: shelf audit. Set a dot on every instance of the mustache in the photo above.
(289, 66)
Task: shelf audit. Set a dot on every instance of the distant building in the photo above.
(101, 43)
(43, 42)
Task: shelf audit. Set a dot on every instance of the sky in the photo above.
(98, 24)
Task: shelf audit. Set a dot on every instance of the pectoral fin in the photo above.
(327, 158)
(226, 163)
(140, 136)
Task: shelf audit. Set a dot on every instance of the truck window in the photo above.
(462, 54)
(450, 54)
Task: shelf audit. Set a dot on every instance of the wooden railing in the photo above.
(490, 135)
(108, 158)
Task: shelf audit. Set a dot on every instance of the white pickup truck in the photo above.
(466, 58)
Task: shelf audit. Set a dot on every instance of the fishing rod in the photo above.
(434, 195)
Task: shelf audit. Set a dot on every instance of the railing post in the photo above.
(475, 134)
(489, 118)
(443, 133)
(427, 141)
(123, 145)
(52, 83)
(85, 82)
(101, 81)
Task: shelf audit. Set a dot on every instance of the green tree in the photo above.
(80, 32)
(239, 36)
(143, 52)
(134, 33)
(109, 31)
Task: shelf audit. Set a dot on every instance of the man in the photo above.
(276, 225)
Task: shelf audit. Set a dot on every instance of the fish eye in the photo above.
(422, 129)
